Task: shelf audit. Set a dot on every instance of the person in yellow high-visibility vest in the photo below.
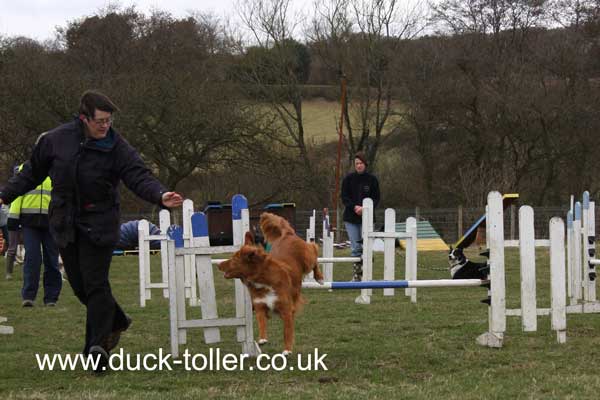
(31, 210)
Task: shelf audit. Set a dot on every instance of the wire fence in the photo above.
(452, 223)
(449, 223)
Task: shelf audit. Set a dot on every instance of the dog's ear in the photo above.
(253, 255)
(249, 238)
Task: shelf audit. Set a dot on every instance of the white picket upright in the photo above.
(389, 267)
(190, 273)
(557, 273)
(367, 253)
(204, 272)
(327, 246)
(310, 232)
(497, 310)
(164, 221)
(174, 320)
(177, 282)
(527, 257)
(239, 203)
(144, 261)
(411, 257)
(311, 238)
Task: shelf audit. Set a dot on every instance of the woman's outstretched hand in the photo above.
(172, 199)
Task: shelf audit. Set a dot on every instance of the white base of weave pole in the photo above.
(490, 339)
(363, 299)
(5, 330)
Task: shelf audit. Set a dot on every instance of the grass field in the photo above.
(387, 350)
(320, 118)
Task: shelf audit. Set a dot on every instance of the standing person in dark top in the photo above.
(356, 186)
(86, 159)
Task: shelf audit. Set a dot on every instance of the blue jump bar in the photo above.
(369, 285)
(396, 284)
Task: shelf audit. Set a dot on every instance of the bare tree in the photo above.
(274, 67)
(362, 39)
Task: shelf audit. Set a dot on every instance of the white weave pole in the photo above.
(587, 233)
(578, 268)
(570, 263)
(557, 276)
(592, 245)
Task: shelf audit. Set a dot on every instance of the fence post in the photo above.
(512, 222)
(460, 222)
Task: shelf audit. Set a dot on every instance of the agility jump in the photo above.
(200, 250)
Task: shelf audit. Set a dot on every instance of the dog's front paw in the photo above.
(262, 341)
(321, 281)
(286, 353)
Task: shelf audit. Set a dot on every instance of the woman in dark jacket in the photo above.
(356, 186)
(86, 159)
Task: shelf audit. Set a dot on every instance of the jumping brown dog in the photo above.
(274, 279)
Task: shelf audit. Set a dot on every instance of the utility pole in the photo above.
(336, 194)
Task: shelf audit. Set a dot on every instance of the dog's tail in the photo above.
(274, 226)
(314, 263)
(299, 304)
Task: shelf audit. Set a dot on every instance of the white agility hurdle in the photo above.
(389, 237)
(199, 250)
(580, 271)
(144, 238)
(527, 244)
(528, 310)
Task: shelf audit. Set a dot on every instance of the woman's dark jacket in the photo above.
(85, 175)
(355, 188)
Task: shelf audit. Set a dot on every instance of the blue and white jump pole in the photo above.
(437, 283)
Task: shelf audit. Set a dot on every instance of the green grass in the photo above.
(320, 118)
(387, 350)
